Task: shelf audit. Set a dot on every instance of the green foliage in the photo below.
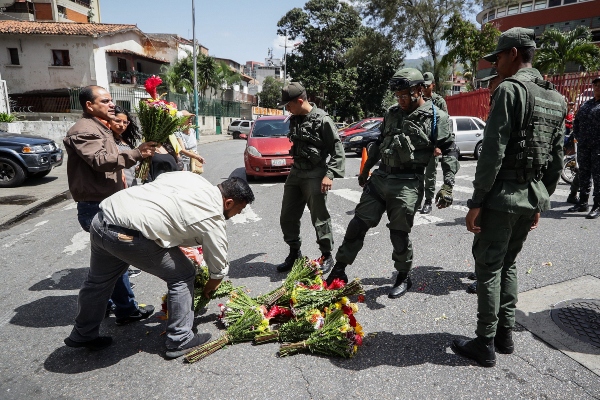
(467, 44)
(271, 92)
(4, 117)
(179, 77)
(559, 48)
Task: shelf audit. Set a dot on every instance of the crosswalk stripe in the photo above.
(348, 194)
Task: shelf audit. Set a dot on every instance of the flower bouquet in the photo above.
(305, 298)
(158, 119)
(239, 302)
(294, 330)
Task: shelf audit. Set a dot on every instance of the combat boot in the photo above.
(326, 262)
(403, 283)
(595, 211)
(573, 199)
(289, 260)
(426, 207)
(479, 349)
(338, 272)
(582, 206)
(504, 341)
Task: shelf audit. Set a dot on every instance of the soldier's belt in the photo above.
(402, 170)
(520, 176)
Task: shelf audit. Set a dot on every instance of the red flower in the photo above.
(336, 284)
(358, 340)
(361, 298)
(151, 84)
(352, 320)
(347, 310)
(276, 311)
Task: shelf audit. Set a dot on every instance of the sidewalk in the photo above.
(20, 202)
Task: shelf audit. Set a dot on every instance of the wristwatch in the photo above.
(471, 204)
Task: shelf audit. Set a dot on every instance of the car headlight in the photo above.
(33, 149)
(253, 152)
(356, 139)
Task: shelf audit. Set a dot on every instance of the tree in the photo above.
(467, 44)
(325, 29)
(271, 92)
(224, 78)
(414, 22)
(558, 48)
(179, 77)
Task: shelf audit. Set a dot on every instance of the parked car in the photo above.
(341, 125)
(359, 126)
(357, 141)
(268, 148)
(238, 127)
(23, 156)
(468, 132)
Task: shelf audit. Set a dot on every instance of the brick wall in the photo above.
(75, 16)
(43, 11)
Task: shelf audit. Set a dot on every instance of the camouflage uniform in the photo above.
(431, 170)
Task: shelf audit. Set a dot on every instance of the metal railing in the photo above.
(128, 77)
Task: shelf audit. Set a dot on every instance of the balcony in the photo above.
(128, 77)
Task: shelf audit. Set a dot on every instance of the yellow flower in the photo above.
(354, 349)
(337, 305)
(358, 329)
(354, 307)
(345, 328)
(344, 300)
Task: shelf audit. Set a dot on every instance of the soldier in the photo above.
(431, 170)
(318, 158)
(406, 144)
(519, 168)
(586, 132)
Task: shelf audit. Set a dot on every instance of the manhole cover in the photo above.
(579, 318)
(17, 200)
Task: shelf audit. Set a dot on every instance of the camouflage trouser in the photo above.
(430, 178)
(588, 158)
(399, 196)
(300, 192)
(495, 250)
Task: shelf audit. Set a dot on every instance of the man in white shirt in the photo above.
(143, 226)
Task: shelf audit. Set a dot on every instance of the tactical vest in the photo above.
(308, 149)
(528, 150)
(407, 140)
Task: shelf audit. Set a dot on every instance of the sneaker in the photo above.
(326, 263)
(197, 340)
(141, 313)
(132, 272)
(101, 342)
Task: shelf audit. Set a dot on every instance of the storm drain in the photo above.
(579, 318)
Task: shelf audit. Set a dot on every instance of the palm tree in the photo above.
(558, 48)
(225, 78)
(207, 71)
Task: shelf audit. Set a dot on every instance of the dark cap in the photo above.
(596, 79)
(488, 78)
(514, 37)
(290, 92)
(428, 76)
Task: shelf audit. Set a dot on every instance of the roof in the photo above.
(64, 28)
(167, 36)
(138, 55)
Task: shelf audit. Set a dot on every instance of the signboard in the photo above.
(260, 111)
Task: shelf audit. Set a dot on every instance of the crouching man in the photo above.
(143, 227)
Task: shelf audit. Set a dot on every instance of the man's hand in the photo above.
(472, 220)
(147, 149)
(536, 221)
(210, 287)
(443, 198)
(437, 152)
(362, 179)
(326, 184)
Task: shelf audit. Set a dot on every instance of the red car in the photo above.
(268, 149)
(360, 126)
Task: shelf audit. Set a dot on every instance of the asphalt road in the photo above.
(405, 354)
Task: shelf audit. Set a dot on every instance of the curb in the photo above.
(37, 207)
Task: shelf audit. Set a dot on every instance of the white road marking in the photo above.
(78, 242)
(465, 177)
(18, 238)
(348, 194)
(422, 219)
(57, 276)
(247, 215)
(70, 206)
(268, 184)
(460, 208)
(41, 223)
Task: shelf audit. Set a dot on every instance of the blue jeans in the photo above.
(122, 296)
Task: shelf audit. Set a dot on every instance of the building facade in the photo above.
(51, 10)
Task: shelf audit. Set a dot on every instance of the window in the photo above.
(540, 4)
(492, 15)
(465, 124)
(62, 11)
(501, 12)
(14, 56)
(479, 124)
(121, 64)
(513, 9)
(554, 3)
(139, 66)
(235, 123)
(245, 124)
(526, 6)
(61, 58)
(569, 1)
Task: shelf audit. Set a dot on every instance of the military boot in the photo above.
(338, 272)
(479, 349)
(426, 207)
(573, 199)
(582, 206)
(595, 211)
(504, 341)
(289, 260)
(403, 283)
(326, 262)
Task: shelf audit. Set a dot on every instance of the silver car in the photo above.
(238, 127)
(468, 132)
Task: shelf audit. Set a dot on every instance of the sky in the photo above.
(236, 29)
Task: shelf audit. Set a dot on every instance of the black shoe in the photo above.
(326, 263)
(573, 199)
(426, 207)
(197, 340)
(504, 341)
(289, 261)
(132, 272)
(580, 207)
(472, 288)
(141, 313)
(472, 276)
(101, 342)
(338, 272)
(478, 349)
(594, 213)
(403, 283)
(110, 308)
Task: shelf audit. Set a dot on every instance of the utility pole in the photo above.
(285, 47)
(195, 57)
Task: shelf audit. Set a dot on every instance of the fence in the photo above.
(473, 104)
(33, 103)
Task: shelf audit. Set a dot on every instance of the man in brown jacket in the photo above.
(94, 170)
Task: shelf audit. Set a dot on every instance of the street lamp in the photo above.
(195, 57)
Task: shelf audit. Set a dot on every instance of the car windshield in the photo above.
(354, 125)
(371, 125)
(270, 128)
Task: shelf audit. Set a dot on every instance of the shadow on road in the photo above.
(387, 348)
(47, 312)
(243, 268)
(66, 279)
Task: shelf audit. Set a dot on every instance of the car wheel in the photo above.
(236, 135)
(40, 174)
(477, 151)
(11, 173)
